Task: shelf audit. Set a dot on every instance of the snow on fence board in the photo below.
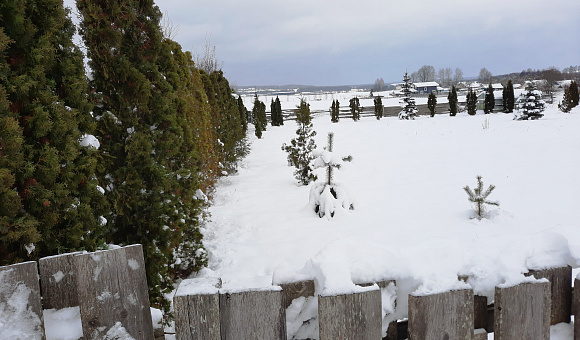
(109, 303)
(197, 309)
(350, 316)
(20, 305)
(252, 315)
(561, 292)
(446, 315)
(522, 311)
(58, 281)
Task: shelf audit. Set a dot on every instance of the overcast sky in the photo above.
(338, 42)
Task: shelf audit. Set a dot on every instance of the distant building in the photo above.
(427, 87)
(497, 96)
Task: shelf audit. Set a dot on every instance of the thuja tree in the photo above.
(335, 111)
(508, 97)
(300, 148)
(489, 100)
(226, 121)
(432, 103)
(259, 114)
(50, 198)
(146, 146)
(355, 108)
(478, 196)
(570, 99)
(452, 97)
(408, 103)
(378, 107)
(243, 114)
(276, 112)
(471, 102)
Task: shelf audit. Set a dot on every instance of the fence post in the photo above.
(576, 307)
(20, 305)
(196, 304)
(255, 314)
(58, 281)
(350, 316)
(561, 292)
(108, 299)
(446, 315)
(522, 311)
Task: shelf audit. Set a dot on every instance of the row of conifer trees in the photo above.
(166, 129)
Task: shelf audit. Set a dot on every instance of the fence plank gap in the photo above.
(20, 304)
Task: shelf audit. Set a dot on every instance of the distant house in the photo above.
(427, 87)
(497, 96)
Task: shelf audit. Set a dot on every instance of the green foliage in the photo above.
(335, 111)
(300, 148)
(276, 112)
(570, 99)
(508, 97)
(432, 103)
(489, 101)
(226, 120)
(259, 114)
(243, 114)
(452, 97)
(409, 107)
(478, 196)
(530, 104)
(355, 108)
(378, 107)
(48, 192)
(471, 102)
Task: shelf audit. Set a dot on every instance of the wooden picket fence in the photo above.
(110, 289)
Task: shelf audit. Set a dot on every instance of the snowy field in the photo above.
(412, 220)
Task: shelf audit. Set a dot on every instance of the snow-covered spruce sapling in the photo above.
(328, 196)
(530, 104)
(407, 103)
(300, 148)
(478, 196)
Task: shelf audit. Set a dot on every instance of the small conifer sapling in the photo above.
(478, 196)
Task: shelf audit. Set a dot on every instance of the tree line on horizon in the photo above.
(125, 157)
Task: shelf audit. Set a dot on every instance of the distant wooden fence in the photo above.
(110, 289)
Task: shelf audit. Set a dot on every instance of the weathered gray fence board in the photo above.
(138, 288)
(350, 316)
(197, 314)
(107, 297)
(252, 315)
(522, 312)
(295, 290)
(446, 315)
(20, 306)
(561, 280)
(58, 281)
(576, 307)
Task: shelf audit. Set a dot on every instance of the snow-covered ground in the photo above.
(412, 220)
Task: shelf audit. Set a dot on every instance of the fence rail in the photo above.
(110, 289)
